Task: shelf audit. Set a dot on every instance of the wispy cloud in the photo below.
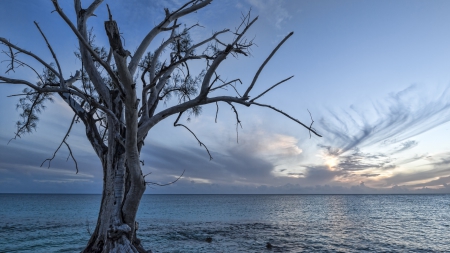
(387, 126)
(405, 146)
(401, 116)
(441, 181)
(362, 161)
(273, 10)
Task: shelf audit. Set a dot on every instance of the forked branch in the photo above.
(255, 78)
(68, 147)
(85, 43)
(10, 45)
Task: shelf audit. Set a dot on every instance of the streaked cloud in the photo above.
(405, 146)
(401, 116)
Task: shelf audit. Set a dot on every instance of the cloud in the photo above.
(320, 174)
(362, 161)
(21, 172)
(405, 146)
(413, 159)
(292, 188)
(441, 181)
(412, 178)
(389, 123)
(274, 146)
(355, 160)
(369, 175)
(259, 157)
(273, 10)
(295, 174)
(235, 165)
(401, 116)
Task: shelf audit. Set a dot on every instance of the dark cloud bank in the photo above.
(238, 169)
(236, 172)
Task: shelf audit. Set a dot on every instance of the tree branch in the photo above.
(238, 122)
(264, 64)
(21, 63)
(312, 122)
(175, 124)
(132, 66)
(152, 183)
(61, 78)
(64, 141)
(85, 43)
(228, 83)
(71, 155)
(90, 10)
(273, 86)
(220, 57)
(217, 111)
(7, 43)
(287, 115)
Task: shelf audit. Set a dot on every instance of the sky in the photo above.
(375, 76)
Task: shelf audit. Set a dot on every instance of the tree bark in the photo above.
(123, 183)
(116, 228)
(108, 237)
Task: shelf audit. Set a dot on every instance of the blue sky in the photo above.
(375, 76)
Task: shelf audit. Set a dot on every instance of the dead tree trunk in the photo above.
(115, 230)
(117, 119)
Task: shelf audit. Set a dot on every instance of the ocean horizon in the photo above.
(237, 222)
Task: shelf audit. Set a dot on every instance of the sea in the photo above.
(237, 223)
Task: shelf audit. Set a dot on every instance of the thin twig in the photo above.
(312, 122)
(238, 122)
(228, 83)
(22, 94)
(61, 78)
(12, 60)
(71, 155)
(9, 44)
(273, 86)
(152, 183)
(34, 70)
(289, 116)
(28, 117)
(217, 111)
(199, 142)
(63, 141)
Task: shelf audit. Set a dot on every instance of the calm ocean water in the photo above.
(237, 223)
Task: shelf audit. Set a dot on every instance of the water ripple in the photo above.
(238, 223)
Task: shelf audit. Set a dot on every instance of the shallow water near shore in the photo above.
(237, 223)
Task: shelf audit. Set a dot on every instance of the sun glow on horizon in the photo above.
(330, 161)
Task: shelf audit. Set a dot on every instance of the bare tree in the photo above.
(117, 114)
